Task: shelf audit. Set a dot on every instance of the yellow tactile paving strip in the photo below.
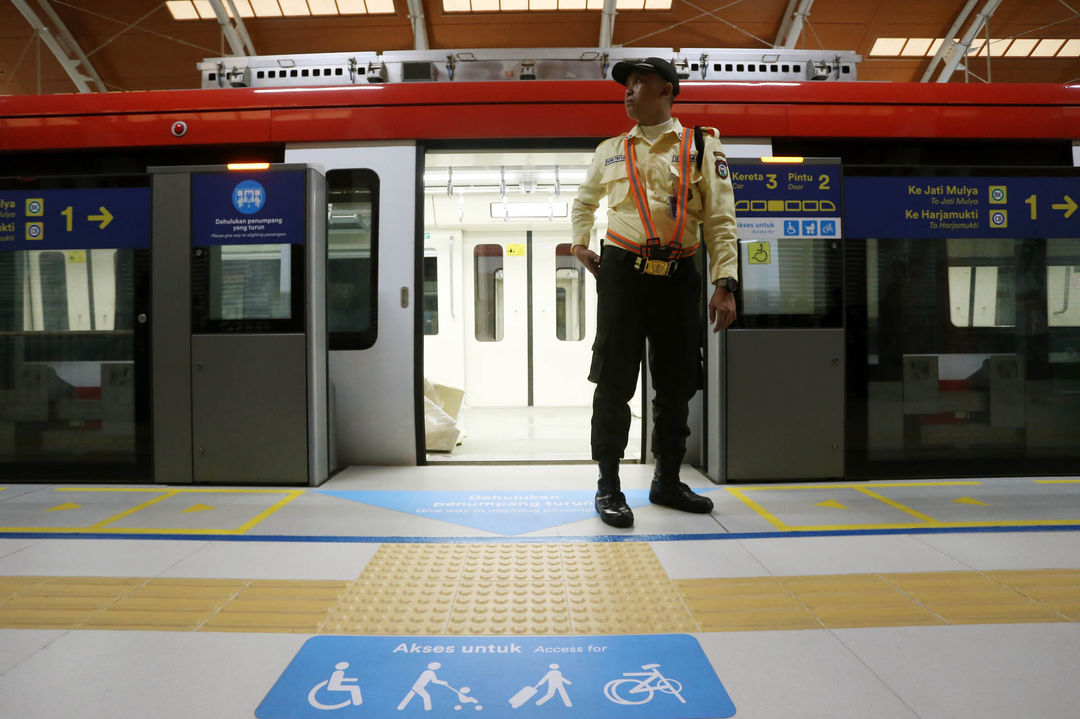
(536, 589)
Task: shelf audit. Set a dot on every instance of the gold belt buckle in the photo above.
(656, 267)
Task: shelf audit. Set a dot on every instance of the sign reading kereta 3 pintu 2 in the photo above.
(774, 201)
(664, 676)
(262, 208)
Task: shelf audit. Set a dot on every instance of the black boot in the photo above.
(610, 503)
(668, 491)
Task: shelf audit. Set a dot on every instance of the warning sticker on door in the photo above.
(665, 676)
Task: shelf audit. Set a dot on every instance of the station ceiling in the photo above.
(139, 45)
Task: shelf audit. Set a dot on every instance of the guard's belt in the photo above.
(652, 257)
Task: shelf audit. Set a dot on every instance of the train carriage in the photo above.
(446, 216)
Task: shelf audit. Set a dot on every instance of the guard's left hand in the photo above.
(721, 309)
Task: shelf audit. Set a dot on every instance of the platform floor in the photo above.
(926, 599)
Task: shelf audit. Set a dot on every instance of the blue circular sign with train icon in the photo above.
(248, 197)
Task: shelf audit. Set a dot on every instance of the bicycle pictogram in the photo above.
(628, 690)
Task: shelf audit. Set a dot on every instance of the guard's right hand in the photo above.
(590, 259)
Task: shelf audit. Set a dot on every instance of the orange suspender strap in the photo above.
(637, 188)
(641, 200)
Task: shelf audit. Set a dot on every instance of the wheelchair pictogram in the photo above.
(628, 690)
(337, 682)
(758, 253)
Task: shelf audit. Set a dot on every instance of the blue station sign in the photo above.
(254, 208)
(639, 677)
(794, 200)
(962, 207)
(75, 219)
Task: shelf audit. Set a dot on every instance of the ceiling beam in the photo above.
(607, 24)
(950, 39)
(63, 46)
(231, 34)
(797, 20)
(241, 28)
(959, 50)
(419, 24)
(785, 23)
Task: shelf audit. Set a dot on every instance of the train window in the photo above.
(569, 296)
(352, 264)
(488, 296)
(1063, 284)
(431, 293)
(982, 282)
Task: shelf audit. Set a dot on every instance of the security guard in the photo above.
(659, 193)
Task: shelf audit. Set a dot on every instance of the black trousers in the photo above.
(630, 308)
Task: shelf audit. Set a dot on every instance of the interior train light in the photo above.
(248, 165)
(778, 159)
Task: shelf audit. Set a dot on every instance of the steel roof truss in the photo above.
(797, 20)
(959, 50)
(607, 24)
(419, 24)
(63, 46)
(232, 35)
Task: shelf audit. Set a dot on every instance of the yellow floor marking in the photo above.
(896, 505)
(909, 484)
(1057, 481)
(163, 494)
(197, 508)
(64, 507)
(740, 494)
(970, 500)
(133, 510)
(293, 494)
(830, 504)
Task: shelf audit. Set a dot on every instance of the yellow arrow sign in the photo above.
(106, 217)
(197, 508)
(63, 507)
(1069, 206)
(830, 504)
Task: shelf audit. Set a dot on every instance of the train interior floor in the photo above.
(495, 591)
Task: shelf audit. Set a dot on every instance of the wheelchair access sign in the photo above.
(665, 676)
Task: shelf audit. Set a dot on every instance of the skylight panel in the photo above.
(917, 46)
(1047, 47)
(888, 46)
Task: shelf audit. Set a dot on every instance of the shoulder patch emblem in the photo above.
(613, 159)
(721, 168)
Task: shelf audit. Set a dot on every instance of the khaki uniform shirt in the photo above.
(711, 204)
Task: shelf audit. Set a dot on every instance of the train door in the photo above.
(371, 191)
(508, 311)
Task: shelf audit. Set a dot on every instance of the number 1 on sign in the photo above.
(68, 213)
(1031, 201)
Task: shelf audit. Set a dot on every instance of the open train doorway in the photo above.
(508, 312)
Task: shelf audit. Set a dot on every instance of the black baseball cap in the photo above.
(663, 68)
